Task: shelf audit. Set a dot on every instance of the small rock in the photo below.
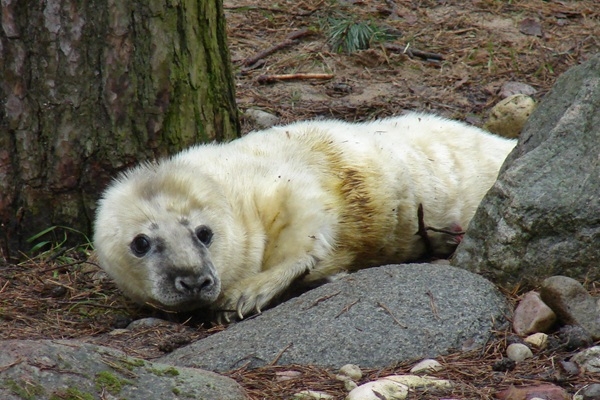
(572, 303)
(588, 359)
(569, 368)
(547, 392)
(281, 376)
(351, 371)
(506, 364)
(570, 337)
(518, 352)
(420, 382)
(511, 88)
(508, 117)
(121, 322)
(311, 395)
(350, 385)
(396, 387)
(426, 366)
(117, 332)
(591, 392)
(532, 315)
(539, 340)
(381, 389)
(262, 119)
(146, 323)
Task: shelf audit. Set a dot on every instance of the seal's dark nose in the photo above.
(194, 285)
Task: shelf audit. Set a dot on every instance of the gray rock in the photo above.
(262, 119)
(572, 303)
(55, 369)
(588, 359)
(372, 318)
(591, 392)
(511, 88)
(541, 217)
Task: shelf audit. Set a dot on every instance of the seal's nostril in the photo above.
(193, 284)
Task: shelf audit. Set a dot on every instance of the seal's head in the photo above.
(159, 232)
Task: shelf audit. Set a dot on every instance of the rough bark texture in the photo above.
(91, 87)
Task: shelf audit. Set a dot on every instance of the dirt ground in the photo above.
(448, 57)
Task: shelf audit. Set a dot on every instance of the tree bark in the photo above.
(92, 87)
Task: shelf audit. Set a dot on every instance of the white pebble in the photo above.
(426, 366)
(311, 395)
(287, 375)
(352, 371)
(350, 385)
(518, 352)
(420, 382)
(381, 389)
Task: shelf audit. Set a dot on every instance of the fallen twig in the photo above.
(422, 231)
(347, 307)
(412, 52)
(289, 40)
(278, 356)
(290, 77)
(432, 304)
(380, 304)
(320, 299)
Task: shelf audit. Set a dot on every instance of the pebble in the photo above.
(569, 367)
(381, 389)
(396, 387)
(511, 88)
(539, 340)
(147, 323)
(518, 352)
(591, 392)
(421, 382)
(532, 315)
(588, 359)
(262, 119)
(572, 303)
(546, 392)
(570, 337)
(503, 365)
(508, 117)
(351, 371)
(281, 376)
(427, 365)
(311, 395)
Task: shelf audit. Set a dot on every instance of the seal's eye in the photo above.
(140, 245)
(204, 234)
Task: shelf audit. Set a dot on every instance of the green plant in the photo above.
(349, 36)
(56, 245)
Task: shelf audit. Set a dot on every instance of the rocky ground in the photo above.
(449, 57)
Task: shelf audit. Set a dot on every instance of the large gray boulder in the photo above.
(372, 318)
(542, 217)
(50, 369)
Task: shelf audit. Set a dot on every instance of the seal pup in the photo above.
(229, 227)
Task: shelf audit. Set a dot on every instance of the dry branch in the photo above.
(386, 308)
(422, 231)
(289, 40)
(290, 77)
(412, 52)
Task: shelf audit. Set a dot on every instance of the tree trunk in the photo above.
(92, 87)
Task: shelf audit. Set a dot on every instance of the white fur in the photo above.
(298, 202)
